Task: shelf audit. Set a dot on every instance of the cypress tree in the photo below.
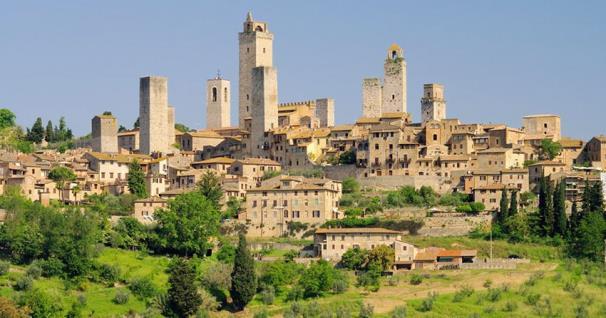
(136, 180)
(503, 207)
(597, 198)
(49, 132)
(559, 209)
(183, 299)
(549, 215)
(587, 195)
(513, 204)
(243, 280)
(542, 203)
(36, 135)
(575, 220)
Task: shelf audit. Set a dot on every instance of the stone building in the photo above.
(285, 199)
(218, 103)
(129, 140)
(595, 151)
(144, 209)
(325, 111)
(538, 127)
(433, 104)
(372, 97)
(154, 115)
(256, 49)
(105, 133)
(389, 96)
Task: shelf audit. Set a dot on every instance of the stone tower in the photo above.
(256, 49)
(264, 108)
(153, 114)
(372, 93)
(218, 103)
(170, 126)
(433, 104)
(394, 83)
(105, 133)
(325, 111)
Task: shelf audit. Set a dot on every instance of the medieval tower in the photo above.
(264, 108)
(153, 114)
(218, 103)
(372, 94)
(256, 49)
(394, 83)
(433, 104)
(105, 133)
(325, 111)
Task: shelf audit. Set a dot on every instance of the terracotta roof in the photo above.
(259, 161)
(364, 230)
(152, 199)
(124, 158)
(457, 253)
(204, 134)
(224, 160)
(547, 163)
(342, 128)
(368, 120)
(571, 143)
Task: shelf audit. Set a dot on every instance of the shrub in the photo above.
(261, 314)
(580, 311)
(109, 274)
(487, 283)
(510, 306)
(494, 294)
(34, 271)
(427, 303)
(462, 293)
(366, 311)
(227, 253)
(532, 299)
(350, 185)
(121, 297)
(268, 295)
(416, 279)
(393, 280)
(142, 288)
(398, 312)
(340, 285)
(571, 286)
(534, 278)
(23, 283)
(51, 267)
(4, 267)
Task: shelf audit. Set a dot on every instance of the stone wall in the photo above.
(452, 225)
(498, 263)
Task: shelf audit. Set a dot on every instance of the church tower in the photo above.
(394, 83)
(218, 103)
(256, 49)
(433, 104)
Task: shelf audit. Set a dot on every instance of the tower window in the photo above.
(247, 97)
(394, 55)
(247, 50)
(263, 50)
(259, 28)
(225, 94)
(393, 97)
(545, 125)
(214, 94)
(435, 137)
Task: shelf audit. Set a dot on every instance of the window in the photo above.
(254, 203)
(225, 94)
(214, 94)
(435, 137)
(316, 214)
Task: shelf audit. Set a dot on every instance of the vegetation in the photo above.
(348, 157)
(182, 128)
(136, 180)
(183, 298)
(550, 149)
(210, 187)
(244, 282)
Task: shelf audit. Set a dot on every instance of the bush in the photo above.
(268, 295)
(427, 303)
(510, 306)
(487, 283)
(23, 283)
(398, 312)
(462, 293)
(532, 299)
(121, 297)
(350, 185)
(261, 314)
(393, 280)
(34, 271)
(4, 267)
(226, 253)
(51, 267)
(340, 285)
(109, 274)
(366, 311)
(416, 279)
(534, 278)
(494, 294)
(142, 288)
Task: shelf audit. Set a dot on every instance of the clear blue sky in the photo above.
(498, 60)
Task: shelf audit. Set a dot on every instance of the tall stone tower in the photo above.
(170, 126)
(256, 49)
(394, 83)
(433, 104)
(105, 133)
(325, 111)
(372, 93)
(153, 114)
(218, 103)
(264, 108)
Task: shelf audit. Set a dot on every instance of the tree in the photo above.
(7, 118)
(210, 187)
(49, 132)
(75, 190)
(503, 208)
(513, 205)
(381, 256)
(575, 221)
(36, 134)
(318, 279)
(546, 215)
(182, 128)
(137, 123)
(355, 258)
(527, 198)
(136, 180)
(350, 185)
(121, 128)
(589, 243)
(40, 304)
(550, 149)
(60, 175)
(183, 298)
(187, 225)
(559, 210)
(348, 157)
(243, 278)
(597, 197)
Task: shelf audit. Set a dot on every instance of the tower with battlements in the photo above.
(153, 114)
(256, 49)
(394, 83)
(218, 103)
(325, 111)
(105, 133)
(264, 108)
(433, 104)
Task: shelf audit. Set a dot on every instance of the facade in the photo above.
(433, 104)
(256, 49)
(104, 133)
(325, 111)
(264, 109)
(218, 103)
(394, 82)
(331, 244)
(372, 97)
(542, 126)
(285, 199)
(144, 209)
(595, 151)
(128, 140)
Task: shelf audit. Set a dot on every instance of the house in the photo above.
(144, 209)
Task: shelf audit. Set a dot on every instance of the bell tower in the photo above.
(394, 83)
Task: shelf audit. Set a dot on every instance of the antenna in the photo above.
(218, 74)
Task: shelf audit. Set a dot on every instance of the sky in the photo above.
(498, 60)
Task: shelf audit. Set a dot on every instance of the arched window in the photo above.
(394, 55)
(435, 137)
(225, 94)
(259, 28)
(214, 98)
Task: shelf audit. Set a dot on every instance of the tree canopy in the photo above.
(136, 180)
(7, 118)
(243, 278)
(550, 149)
